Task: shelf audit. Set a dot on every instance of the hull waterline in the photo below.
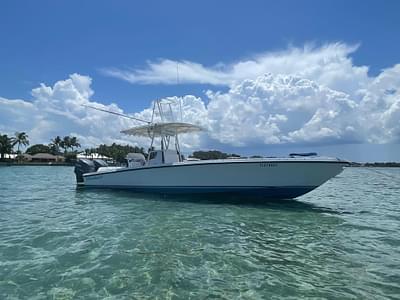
(253, 192)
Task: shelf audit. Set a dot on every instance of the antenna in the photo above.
(177, 82)
(115, 113)
(177, 72)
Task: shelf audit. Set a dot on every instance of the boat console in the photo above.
(135, 160)
(160, 157)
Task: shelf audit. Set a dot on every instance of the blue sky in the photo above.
(46, 41)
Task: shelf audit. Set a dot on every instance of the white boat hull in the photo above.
(276, 178)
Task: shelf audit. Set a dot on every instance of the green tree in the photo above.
(21, 138)
(38, 148)
(6, 145)
(56, 144)
(213, 154)
(74, 143)
(118, 152)
(66, 143)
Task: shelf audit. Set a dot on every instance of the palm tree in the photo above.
(57, 141)
(74, 143)
(21, 138)
(66, 143)
(92, 152)
(6, 145)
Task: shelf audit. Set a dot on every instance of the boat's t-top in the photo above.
(167, 128)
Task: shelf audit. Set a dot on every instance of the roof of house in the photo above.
(44, 156)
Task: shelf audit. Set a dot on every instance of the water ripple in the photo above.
(340, 241)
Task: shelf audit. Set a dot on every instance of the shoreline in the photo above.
(56, 164)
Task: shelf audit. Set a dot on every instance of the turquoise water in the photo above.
(341, 241)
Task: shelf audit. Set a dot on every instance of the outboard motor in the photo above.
(98, 163)
(84, 165)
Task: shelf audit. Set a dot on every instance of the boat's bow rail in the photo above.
(318, 159)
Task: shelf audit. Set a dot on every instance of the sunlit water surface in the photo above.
(341, 241)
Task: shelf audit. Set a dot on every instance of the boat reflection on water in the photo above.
(124, 197)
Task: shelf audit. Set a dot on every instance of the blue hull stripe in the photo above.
(284, 192)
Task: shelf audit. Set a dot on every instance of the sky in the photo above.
(263, 77)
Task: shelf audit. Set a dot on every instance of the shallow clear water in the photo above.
(341, 241)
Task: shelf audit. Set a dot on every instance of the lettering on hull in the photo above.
(268, 165)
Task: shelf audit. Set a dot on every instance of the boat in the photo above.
(165, 170)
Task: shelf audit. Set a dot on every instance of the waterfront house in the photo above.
(47, 157)
(27, 157)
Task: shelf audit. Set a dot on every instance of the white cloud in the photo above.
(309, 96)
(58, 110)
(329, 65)
(170, 72)
(282, 109)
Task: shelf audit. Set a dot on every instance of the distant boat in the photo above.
(165, 171)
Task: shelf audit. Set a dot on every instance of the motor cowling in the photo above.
(83, 166)
(98, 163)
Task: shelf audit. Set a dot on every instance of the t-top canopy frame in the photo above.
(168, 128)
